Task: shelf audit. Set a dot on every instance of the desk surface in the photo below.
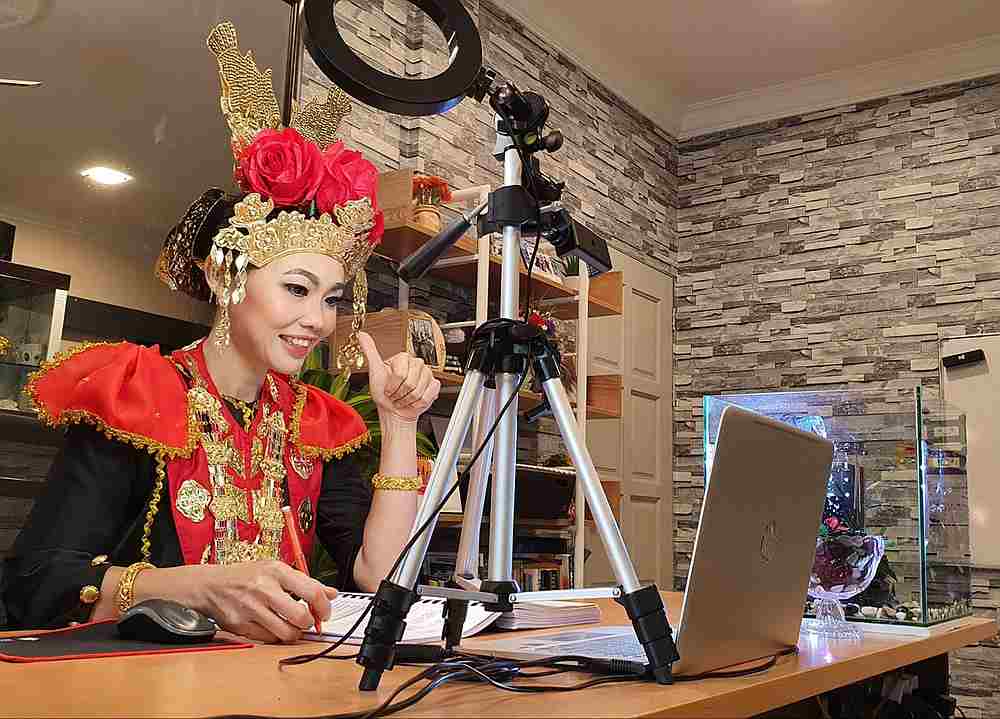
(249, 682)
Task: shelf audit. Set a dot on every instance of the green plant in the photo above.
(572, 266)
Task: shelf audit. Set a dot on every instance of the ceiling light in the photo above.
(106, 176)
(20, 83)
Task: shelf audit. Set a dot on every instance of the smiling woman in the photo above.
(176, 469)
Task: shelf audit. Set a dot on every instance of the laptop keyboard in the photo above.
(599, 645)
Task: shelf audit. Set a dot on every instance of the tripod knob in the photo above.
(553, 141)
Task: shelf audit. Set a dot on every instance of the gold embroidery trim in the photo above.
(309, 450)
(78, 416)
(192, 500)
(154, 506)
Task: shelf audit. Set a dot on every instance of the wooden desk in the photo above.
(249, 682)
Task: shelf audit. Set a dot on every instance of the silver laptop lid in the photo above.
(755, 545)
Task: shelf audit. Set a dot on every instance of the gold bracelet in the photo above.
(126, 595)
(400, 484)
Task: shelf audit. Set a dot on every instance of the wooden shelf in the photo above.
(601, 387)
(605, 290)
(399, 242)
(605, 299)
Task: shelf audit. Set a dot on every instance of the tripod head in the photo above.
(534, 205)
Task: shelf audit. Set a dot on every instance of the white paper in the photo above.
(424, 622)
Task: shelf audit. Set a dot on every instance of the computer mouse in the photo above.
(165, 621)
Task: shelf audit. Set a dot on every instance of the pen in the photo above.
(298, 557)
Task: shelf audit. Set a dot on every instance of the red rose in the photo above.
(361, 173)
(349, 176)
(283, 166)
(335, 188)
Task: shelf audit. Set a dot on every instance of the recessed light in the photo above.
(106, 175)
(19, 83)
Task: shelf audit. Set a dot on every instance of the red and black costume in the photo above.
(147, 431)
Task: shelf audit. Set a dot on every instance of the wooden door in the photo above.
(637, 450)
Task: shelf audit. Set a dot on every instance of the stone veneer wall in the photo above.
(835, 250)
(619, 168)
(617, 165)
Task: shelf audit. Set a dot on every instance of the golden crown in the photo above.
(250, 105)
(260, 240)
(346, 232)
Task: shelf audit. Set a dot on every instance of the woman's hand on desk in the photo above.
(252, 599)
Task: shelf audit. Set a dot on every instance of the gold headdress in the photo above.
(326, 210)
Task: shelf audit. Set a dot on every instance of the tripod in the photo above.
(500, 352)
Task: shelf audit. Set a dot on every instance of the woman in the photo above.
(175, 469)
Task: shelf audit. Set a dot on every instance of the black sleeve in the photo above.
(344, 501)
(91, 496)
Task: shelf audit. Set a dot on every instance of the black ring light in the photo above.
(418, 97)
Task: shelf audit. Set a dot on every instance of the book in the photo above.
(424, 622)
(539, 615)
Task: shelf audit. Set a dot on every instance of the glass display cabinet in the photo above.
(893, 545)
(32, 308)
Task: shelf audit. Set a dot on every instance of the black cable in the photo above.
(306, 658)
(769, 664)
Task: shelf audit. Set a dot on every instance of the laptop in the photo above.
(752, 557)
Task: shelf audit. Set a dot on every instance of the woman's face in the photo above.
(290, 305)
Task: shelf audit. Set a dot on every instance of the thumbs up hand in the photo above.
(402, 385)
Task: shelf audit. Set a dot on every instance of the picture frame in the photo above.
(424, 340)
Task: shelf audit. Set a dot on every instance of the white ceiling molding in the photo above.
(907, 73)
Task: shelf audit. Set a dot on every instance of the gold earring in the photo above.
(222, 328)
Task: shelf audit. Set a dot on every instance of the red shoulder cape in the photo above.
(136, 395)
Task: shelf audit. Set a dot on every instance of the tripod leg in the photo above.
(467, 561)
(643, 604)
(396, 594)
(499, 580)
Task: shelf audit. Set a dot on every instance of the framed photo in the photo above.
(545, 267)
(424, 342)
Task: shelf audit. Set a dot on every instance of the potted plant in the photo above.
(429, 191)
(572, 278)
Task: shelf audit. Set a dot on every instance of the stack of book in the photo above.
(539, 615)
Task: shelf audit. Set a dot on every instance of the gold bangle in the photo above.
(126, 595)
(400, 484)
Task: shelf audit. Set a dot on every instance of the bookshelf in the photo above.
(470, 263)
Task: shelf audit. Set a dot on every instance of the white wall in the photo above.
(102, 270)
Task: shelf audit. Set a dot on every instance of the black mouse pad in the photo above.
(94, 640)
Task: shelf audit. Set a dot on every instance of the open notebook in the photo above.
(425, 621)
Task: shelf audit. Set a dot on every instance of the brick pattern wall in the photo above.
(618, 167)
(835, 250)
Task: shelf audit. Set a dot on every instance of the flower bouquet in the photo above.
(846, 563)
(429, 191)
(563, 338)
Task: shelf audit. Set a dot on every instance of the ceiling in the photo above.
(131, 84)
(668, 57)
(126, 84)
